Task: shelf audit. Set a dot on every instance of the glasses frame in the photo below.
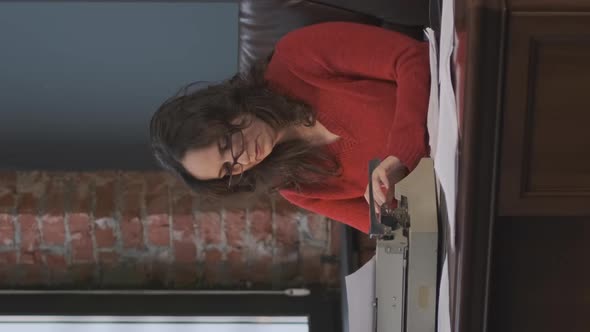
(235, 166)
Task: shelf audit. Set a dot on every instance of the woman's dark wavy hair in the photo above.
(196, 119)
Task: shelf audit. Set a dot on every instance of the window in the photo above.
(151, 323)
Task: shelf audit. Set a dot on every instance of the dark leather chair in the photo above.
(263, 22)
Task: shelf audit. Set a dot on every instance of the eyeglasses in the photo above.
(235, 142)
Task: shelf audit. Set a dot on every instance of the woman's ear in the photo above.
(243, 120)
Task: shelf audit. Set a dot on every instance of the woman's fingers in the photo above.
(382, 174)
(389, 171)
(377, 206)
(380, 181)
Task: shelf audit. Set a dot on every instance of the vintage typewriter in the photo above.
(406, 254)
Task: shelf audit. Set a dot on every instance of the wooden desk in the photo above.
(522, 261)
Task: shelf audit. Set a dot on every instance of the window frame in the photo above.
(322, 306)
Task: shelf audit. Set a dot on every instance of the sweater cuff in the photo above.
(408, 154)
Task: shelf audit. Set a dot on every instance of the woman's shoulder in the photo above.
(317, 32)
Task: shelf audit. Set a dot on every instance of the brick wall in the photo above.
(132, 229)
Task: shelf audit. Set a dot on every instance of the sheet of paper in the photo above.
(445, 159)
(445, 156)
(432, 119)
(360, 294)
(444, 312)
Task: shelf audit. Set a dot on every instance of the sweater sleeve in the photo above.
(353, 212)
(352, 50)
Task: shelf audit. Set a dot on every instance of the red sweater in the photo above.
(368, 85)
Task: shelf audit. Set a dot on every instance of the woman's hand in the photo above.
(389, 172)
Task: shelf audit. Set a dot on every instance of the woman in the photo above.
(332, 97)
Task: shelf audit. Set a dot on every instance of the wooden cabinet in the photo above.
(522, 260)
(539, 275)
(545, 151)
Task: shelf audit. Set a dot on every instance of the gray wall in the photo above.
(80, 80)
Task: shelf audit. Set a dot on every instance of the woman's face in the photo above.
(212, 161)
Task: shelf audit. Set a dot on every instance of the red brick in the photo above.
(56, 261)
(82, 249)
(287, 231)
(260, 270)
(159, 230)
(289, 272)
(82, 273)
(156, 193)
(132, 194)
(6, 269)
(108, 258)
(104, 233)
(185, 250)
(132, 233)
(124, 275)
(8, 178)
(6, 230)
(237, 264)
(105, 195)
(7, 191)
(184, 227)
(79, 222)
(31, 186)
(160, 273)
(55, 197)
(284, 256)
(336, 238)
(213, 263)
(260, 224)
(7, 202)
(210, 229)
(131, 205)
(57, 267)
(318, 227)
(54, 231)
(183, 204)
(235, 227)
(31, 257)
(32, 275)
(27, 203)
(264, 202)
(185, 275)
(6, 277)
(213, 256)
(157, 180)
(81, 198)
(156, 203)
(7, 258)
(29, 232)
(144, 271)
(311, 264)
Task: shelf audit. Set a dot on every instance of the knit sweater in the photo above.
(368, 85)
